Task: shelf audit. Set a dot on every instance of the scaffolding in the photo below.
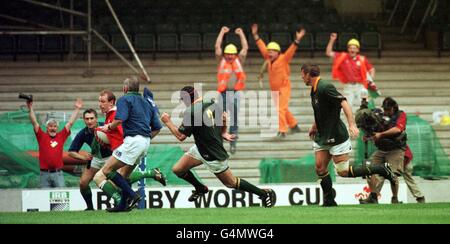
(42, 29)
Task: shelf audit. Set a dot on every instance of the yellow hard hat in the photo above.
(445, 120)
(273, 46)
(230, 49)
(353, 42)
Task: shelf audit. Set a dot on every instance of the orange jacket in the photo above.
(224, 72)
(278, 70)
(338, 75)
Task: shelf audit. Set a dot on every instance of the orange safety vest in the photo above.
(338, 75)
(224, 74)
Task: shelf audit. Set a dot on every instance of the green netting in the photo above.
(300, 170)
(430, 159)
(164, 157)
(20, 170)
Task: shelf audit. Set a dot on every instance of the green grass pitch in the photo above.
(349, 214)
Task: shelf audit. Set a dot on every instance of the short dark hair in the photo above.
(389, 103)
(312, 69)
(189, 91)
(132, 83)
(90, 111)
(110, 95)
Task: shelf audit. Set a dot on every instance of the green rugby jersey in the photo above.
(326, 103)
(200, 120)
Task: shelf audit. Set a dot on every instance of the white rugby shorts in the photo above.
(132, 150)
(215, 166)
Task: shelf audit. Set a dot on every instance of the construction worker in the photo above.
(351, 69)
(279, 71)
(231, 78)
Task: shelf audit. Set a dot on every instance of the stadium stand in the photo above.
(175, 30)
(407, 79)
(413, 75)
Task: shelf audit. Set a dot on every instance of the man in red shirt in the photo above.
(51, 146)
(353, 70)
(391, 146)
(106, 102)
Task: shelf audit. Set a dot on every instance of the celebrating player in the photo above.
(209, 130)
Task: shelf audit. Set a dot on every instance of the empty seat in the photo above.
(98, 46)
(277, 27)
(209, 41)
(207, 27)
(79, 44)
(168, 42)
(189, 28)
(321, 40)
(119, 42)
(444, 42)
(233, 39)
(190, 42)
(29, 44)
(166, 28)
(307, 44)
(145, 43)
(343, 39)
(53, 44)
(371, 41)
(8, 45)
(284, 39)
(251, 41)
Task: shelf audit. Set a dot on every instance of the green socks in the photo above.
(111, 191)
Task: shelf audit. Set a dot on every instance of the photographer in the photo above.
(51, 145)
(388, 131)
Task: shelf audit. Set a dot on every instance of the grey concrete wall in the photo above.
(11, 200)
(433, 190)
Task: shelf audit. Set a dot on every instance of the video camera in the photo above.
(370, 120)
(29, 97)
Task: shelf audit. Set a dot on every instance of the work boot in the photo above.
(294, 130)
(280, 136)
(420, 200)
(371, 199)
(233, 147)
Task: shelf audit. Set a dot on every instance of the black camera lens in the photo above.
(27, 97)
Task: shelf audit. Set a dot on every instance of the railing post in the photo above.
(425, 16)
(407, 17)
(71, 28)
(393, 12)
(89, 72)
(136, 57)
